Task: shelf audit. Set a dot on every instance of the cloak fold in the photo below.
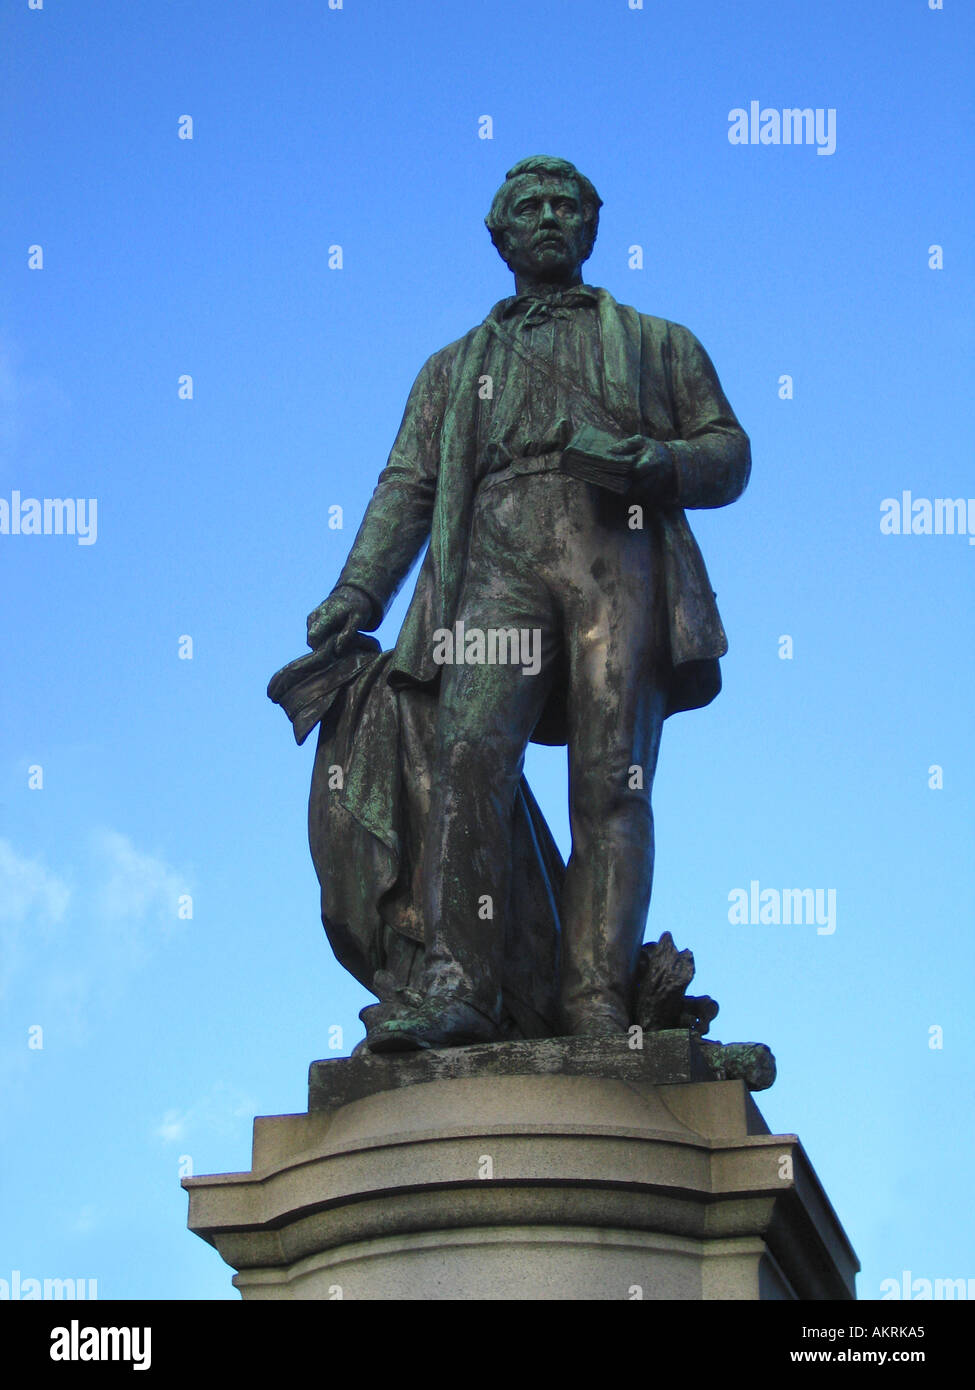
(366, 831)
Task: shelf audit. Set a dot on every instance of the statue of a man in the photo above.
(547, 457)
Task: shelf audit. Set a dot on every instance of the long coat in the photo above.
(657, 381)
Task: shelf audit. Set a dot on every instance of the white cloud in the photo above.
(30, 896)
(136, 887)
(28, 889)
(218, 1112)
(134, 903)
(174, 1125)
(122, 902)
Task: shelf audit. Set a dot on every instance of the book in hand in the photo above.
(589, 456)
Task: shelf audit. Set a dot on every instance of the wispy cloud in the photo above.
(136, 886)
(79, 936)
(28, 888)
(31, 898)
(136, 896)
(218, 1112)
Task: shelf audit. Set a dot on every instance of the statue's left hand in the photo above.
(654, 479)
(345, 612)
(637, 468)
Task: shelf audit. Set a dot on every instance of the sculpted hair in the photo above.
(497, 218)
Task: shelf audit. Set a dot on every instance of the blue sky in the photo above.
(161, 777)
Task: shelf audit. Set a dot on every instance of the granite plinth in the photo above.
(549, 1170)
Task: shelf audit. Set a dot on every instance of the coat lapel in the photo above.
(621, 342)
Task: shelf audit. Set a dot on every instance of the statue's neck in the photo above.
(525, 284)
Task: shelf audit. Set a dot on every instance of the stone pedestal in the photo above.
(565, 1169)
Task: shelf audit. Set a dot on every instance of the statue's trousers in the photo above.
(558, 561)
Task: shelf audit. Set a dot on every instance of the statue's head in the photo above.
(544, 218)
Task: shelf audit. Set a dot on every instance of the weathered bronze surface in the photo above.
(547, 457)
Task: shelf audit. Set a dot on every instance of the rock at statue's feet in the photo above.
(436, 1023)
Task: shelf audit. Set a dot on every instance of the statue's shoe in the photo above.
(436, 1023)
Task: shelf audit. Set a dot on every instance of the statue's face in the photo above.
(546, 236)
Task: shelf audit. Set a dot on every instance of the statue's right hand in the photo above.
(345, 612)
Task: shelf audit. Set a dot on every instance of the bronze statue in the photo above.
(548, 457)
